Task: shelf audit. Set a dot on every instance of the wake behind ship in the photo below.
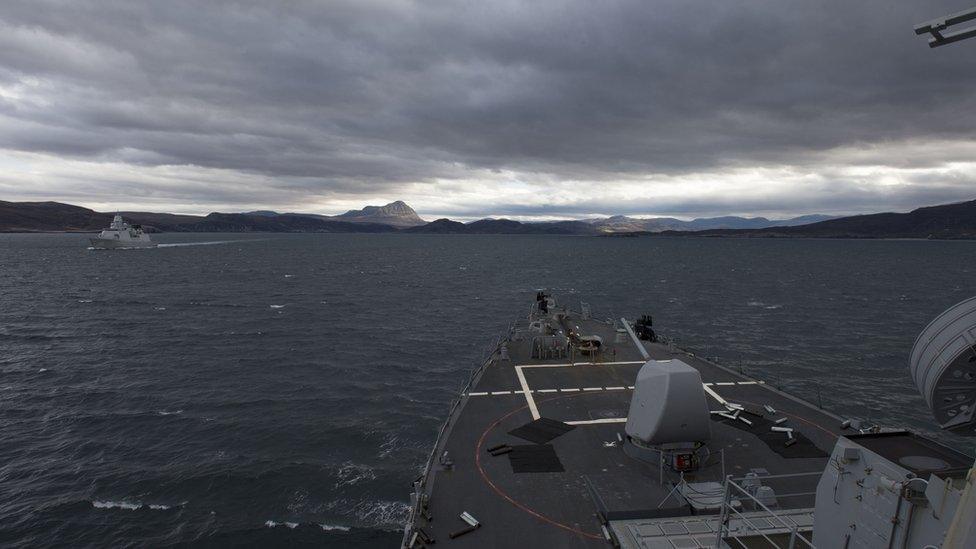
(121, 235)
(581, 432)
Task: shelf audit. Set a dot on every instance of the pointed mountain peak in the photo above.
(396, 213)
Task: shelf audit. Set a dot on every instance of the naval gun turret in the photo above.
(668, 417)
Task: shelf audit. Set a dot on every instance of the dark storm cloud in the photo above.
(365, 96)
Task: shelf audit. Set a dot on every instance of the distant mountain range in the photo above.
(624, 224)
(54, 216)
(947, 221)
(395, 214)
(504, 226)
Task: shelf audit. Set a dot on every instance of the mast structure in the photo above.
(936, 28)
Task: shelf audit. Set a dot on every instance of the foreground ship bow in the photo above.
(577, 433)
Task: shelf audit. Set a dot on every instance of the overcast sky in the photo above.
(537, 109)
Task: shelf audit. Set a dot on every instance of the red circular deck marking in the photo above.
(540, 516)
(506, 497)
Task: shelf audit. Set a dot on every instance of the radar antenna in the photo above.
(936, 26)
(943, 365)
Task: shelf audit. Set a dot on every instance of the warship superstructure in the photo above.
(121, 235)
(576, 432)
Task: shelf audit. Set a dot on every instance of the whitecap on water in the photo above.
(168, 413)
(350, 473)
(330, 527)
(277, 306)
(383, 513)
(116, 505)
(273, 524)
(128, 505)
(371, 513)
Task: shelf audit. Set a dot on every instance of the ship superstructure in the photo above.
(121, 235)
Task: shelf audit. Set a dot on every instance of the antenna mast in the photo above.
(936, 26)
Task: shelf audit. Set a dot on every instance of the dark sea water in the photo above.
(278, 390)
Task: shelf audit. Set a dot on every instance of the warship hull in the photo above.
(535, 452)
(111, 244)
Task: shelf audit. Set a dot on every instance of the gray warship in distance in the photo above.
(580, 432)
(121, 235)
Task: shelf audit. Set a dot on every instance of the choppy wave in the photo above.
(275, 524)
(350, 473)
(757, 303)
(373, 513)
(130, 506)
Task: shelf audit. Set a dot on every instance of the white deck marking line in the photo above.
(598, 421)
(713, 383)
(566, 390)
(568, 364)
(630, 386)
(715, 395)
(528, 394)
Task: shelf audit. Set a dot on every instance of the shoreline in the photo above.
(604, 235)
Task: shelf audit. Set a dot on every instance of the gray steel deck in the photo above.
(560, 509)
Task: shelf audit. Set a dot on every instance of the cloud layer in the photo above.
(544, 108)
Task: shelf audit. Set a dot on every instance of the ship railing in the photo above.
(420, 484)
(734, 496)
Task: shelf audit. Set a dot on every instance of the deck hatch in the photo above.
(535, 458)
(542, 430)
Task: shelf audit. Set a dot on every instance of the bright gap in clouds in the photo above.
(840, 189)
(551, 109)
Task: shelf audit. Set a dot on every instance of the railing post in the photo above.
(793, 538)
(722, 514)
